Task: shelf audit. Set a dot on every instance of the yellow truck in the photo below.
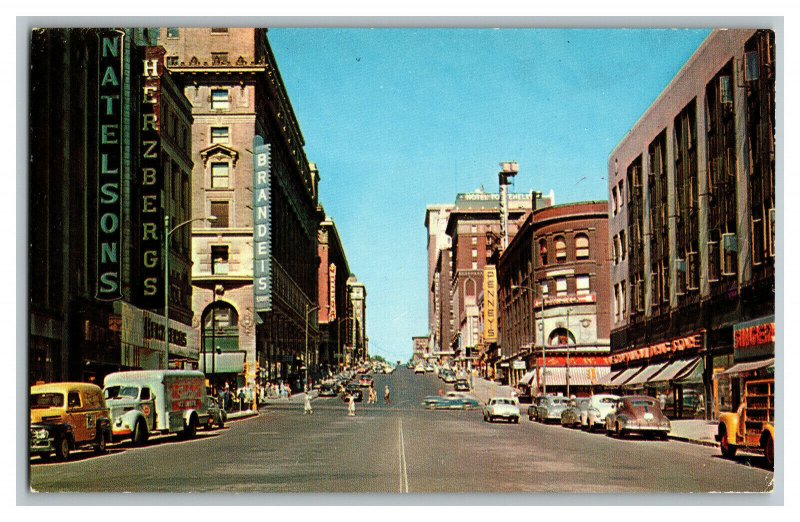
(752, 427)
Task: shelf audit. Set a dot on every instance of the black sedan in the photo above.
(355, 391)
(461, 385)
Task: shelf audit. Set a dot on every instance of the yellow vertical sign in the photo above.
(490, 304)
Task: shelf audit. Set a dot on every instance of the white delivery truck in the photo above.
(142, 402)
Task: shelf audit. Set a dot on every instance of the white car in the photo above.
(600, 406)
(419, 369)
(502, 408)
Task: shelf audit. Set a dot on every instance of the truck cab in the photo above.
(752, 427)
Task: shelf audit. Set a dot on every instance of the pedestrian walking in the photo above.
(241, 399)
(351, 407)
(386, 398)
(307, 409)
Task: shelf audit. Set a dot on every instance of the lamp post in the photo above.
(167, 235)
(568, 311)
(308, 311)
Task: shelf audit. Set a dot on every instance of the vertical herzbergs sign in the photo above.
(262, 217)
(151, 180)
(109, 151)
(332, 296)
(489, 304)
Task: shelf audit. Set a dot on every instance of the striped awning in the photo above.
(749, 366)
(606, 379)
(676, 368)
(527, 377)
(578, 375)
(645, 375)
(625, 376)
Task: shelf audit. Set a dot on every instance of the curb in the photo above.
(707, 443)
(242, 416)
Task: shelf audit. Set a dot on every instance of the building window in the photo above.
(561, 249)
(616, 250)
(545, 290)
(219, 58)
(581, 246)
(561, 287)
(474, 229)
(615, 201)
(623, 246)
(622, 298)
(220, 135)
(474, 240)
(220, 99)
(474, 265)
(543, 251)
(474, 252)
(219, 209)
(621, 194)
(582, 285)
(219, 30)
(616, 303)
(172, 61)
(173, 32)
(219, 259)
(220, 175)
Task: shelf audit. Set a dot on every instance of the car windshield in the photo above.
(607, 400)
(47, 400)
(502, 401)
(642, 403)
(119, 392)
(559, 401)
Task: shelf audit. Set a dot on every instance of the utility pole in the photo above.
(510, 169)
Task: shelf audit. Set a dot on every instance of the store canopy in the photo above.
(645, 375)
(749, 366)
(526, 378)
(675, 369)
(578, 375)
(625, 376)
(226, 362)
(605, 380)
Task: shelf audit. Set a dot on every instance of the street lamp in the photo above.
(533, 332)
(308, 311)
(166, 277)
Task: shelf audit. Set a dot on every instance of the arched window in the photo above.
(561, 249)
(221, 327)
(469, 288)
(543, 251)
(581, 246)
(561, 337)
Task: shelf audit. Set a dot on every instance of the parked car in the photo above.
(216, 414)
(435, 402)
(461, 385)
(429, 368)
(448, 376)
(550, 408)
(366, 381)
(574, 415)
(600, 406)
(355, 391)
(419, 369)
(533, 409)
(327, 390)
(637, 414)
(502, 408)
(65, 416)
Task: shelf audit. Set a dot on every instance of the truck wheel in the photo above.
(191, 429)
(62, 448)
(728, 450)
(768, 445)
(139, 436)
(100, 445)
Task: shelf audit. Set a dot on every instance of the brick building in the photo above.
(692, 203)
(110, 147)
(333, 297)
(553, 284)
(238, 98)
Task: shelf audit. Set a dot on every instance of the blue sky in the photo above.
(397, 119)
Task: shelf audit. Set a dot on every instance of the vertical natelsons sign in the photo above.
(490, 304)
(151, 180)
(109, 164)
(262, 219)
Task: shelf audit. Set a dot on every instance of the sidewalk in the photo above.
(291, 400)
(694, 431)
(485, 390)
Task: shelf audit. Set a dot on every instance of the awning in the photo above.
(623, 377)
(676, 369)
(606, 379)
(643, 376)
(578, 375)
(749, 366)
(526, 378)
(226, 362)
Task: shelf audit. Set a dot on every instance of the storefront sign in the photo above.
(490, 304)
(151, 181)
(109, 161)
(692, 342)
(754, 338)
(518, 365)
(332, 292)
(560, 361)
(558, 301)
(262, 219)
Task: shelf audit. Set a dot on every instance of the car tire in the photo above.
(139, 435)
(620, 432)
(726, 448)
(221, 423)
(100, 445)
(62, 448)
(516, 420)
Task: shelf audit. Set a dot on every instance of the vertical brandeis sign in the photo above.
(151, 180)
(109, 163)
(262, 225)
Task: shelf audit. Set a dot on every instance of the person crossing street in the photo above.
(386, 398)
(307, 409)
(351, 407)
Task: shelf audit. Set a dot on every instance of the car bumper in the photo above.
(47, 445)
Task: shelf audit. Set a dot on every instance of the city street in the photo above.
(400, 448)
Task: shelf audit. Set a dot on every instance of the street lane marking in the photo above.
(403, 468)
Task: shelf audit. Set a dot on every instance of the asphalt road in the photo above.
(399, 448)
